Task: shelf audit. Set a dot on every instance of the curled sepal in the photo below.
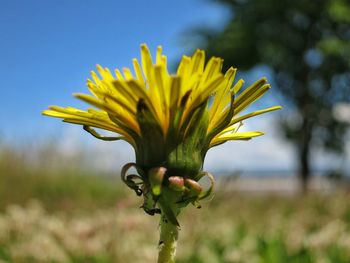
(176, 183)
(94, 133)
(149, 202)
(206, 193)
(130, 180)
(156, 176)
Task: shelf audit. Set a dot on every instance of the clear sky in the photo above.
(48, 47)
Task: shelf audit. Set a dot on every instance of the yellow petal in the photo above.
(137, 70)
(223, 96)
(183, 71)
(127, 73)
(127, 120)
(250, 90)
(252, 114)
(120, 102)
(159, 55)
(212, 69)
(125, 92)
(175, 88)
(240, 105)
(119, 75)
(235, 136)
(208, 89)
(197, 62)
(238, 86)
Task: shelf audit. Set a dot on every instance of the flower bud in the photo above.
(156, 176)
(176, 183)
(194, 187)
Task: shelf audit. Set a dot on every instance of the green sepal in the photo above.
(194, 128)
(94, 133)
(185, 157)
(194, 118)
(149, 154)
(185, 200)
(176, 115)
(149, 203)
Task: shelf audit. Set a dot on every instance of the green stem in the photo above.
(168, 240)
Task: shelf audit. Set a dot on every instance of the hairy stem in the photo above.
(168, 240)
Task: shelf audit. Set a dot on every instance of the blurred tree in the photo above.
(307, 46)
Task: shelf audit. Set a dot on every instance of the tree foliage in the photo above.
(307, 46)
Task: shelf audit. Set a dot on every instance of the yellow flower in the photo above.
(171, 120)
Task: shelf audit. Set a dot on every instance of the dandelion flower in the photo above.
(171, 121)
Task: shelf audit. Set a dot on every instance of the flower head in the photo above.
(171, 120)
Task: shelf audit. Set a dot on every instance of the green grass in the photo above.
(81, 216)
(58, 187)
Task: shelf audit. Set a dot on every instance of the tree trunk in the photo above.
(304, 155)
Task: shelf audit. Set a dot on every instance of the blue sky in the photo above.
(48, 48)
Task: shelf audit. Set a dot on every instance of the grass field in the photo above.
(54, 214)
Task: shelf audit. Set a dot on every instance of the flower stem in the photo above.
(168, 240)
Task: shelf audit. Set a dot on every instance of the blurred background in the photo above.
(282, 197)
